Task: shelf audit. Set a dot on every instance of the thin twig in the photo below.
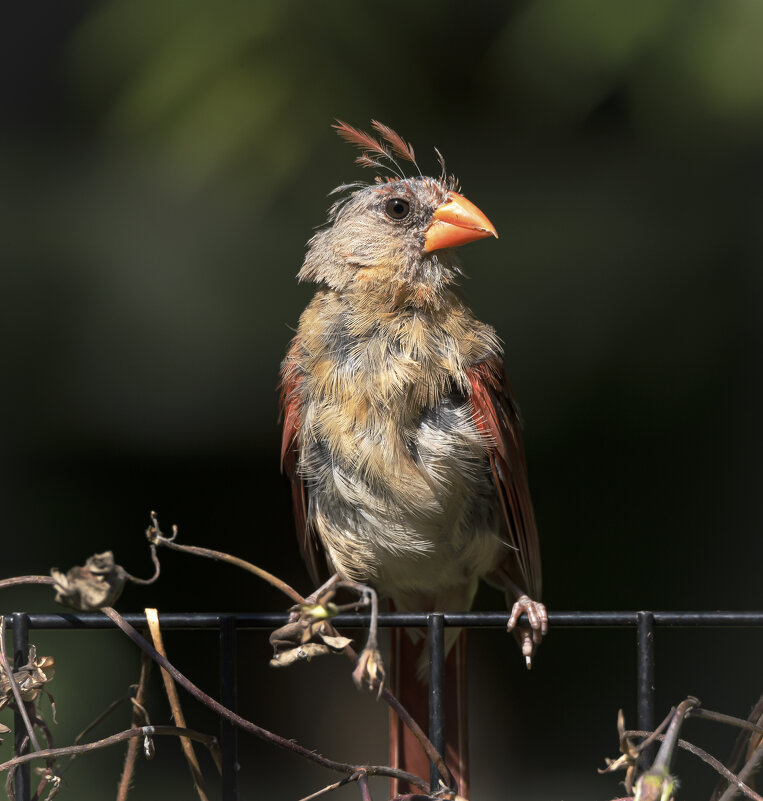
(705, 757)
(247, 725)
(142, 731)
(418, 733)
(730, 719)
(157, 570)
(19, 580)
(160, 540)
(365, 791)
(15, 687)
(655, 734)
(664, 757)
(321, 591)
(90, 726)
(10, 779)
(741, 745)
(749, 769)
(152, 616)
(329, 788)
(138, 713)
(93, 723)
(54, 779)
(360, 776)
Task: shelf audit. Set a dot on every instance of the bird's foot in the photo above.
(530, 638)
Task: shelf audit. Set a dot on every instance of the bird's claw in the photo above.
(537, 616)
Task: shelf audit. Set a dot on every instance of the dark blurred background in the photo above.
(163, 165)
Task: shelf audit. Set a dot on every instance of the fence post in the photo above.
(436, 632)
(22, 785)
(645, 678)
(228, 743)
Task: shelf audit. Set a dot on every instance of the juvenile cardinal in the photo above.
(401, 438)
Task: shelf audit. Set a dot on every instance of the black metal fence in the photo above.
(227, 626)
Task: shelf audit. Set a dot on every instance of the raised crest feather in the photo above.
(382, 152)
(366, 161)
(390, 145)
(399, 146)
(360, 139)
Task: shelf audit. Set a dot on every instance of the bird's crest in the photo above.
(383, 153)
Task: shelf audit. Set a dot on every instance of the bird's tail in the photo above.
(406, 752)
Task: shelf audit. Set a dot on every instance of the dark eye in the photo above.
(397, 208)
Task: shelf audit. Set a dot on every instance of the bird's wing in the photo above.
(290, 404)
(495, 414)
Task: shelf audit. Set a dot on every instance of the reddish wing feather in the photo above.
(495, 414)
(290, 404)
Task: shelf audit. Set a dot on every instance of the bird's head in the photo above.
(397, 233)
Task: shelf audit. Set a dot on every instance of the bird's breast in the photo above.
(400, 496)
(396, 470)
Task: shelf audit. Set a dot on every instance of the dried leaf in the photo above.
(307, 634)
(336, 643)
(99, 583)
(52, 779)
(30, 678)
(628, 761)
(369, 672)
(302, 653)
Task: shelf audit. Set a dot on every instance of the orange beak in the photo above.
(456, 222)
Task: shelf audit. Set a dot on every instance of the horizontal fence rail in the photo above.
(228, 625)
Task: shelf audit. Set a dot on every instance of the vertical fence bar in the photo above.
(20, 655)
(645, 678)
(436, 632)
(228, 743)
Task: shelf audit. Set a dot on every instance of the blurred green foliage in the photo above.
(163, 165)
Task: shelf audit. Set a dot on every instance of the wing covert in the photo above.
(496, 416)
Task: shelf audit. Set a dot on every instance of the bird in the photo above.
(401, 438)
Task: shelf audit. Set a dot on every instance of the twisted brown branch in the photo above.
(114, 739)
(17, 581)
(128, 768)
(247, 725)
(708, 759)
(155, 536)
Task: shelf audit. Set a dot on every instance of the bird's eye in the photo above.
(397, 208)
